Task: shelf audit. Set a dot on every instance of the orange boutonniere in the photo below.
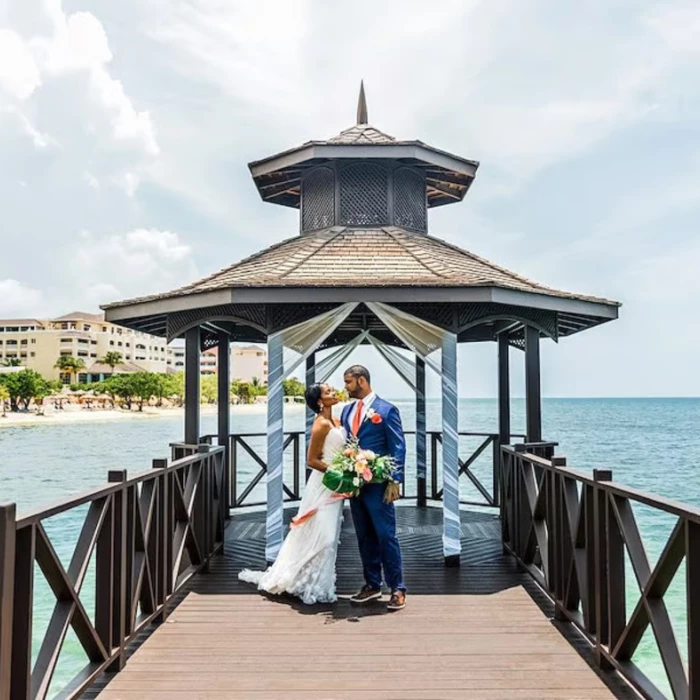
(374, 416)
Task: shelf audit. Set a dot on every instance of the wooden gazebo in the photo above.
(363, 198)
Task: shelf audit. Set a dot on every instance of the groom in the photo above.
(377, 426)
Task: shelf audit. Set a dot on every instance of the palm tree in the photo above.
(112, 358)
(69, 365)
(12, 362)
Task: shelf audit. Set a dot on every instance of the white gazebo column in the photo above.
(275, 448)
(421, 452)
(452, 529)
(224, 412)
(310, 379)
(192, 398)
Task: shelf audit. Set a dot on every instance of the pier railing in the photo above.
(574, 533)
(142, 538)
(248, 467)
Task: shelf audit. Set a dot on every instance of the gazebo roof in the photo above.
(447, 176)
(390, 257)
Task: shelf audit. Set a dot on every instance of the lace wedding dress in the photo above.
(305, 565)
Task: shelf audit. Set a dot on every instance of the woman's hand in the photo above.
(392, 492)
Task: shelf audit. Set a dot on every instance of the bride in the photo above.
(305, 565)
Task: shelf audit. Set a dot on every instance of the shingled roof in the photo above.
(377, 257)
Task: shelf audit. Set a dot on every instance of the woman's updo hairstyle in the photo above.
(313, 397)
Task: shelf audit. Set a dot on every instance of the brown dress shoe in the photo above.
(366, 595)
(397, 601)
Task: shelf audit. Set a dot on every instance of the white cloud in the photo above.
(19, 73)
(141, 261)
(79, 44)
(17, 299)
(38, 138)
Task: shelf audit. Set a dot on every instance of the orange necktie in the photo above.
(357, 418)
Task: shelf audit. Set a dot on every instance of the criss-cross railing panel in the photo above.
(146, 535)
(574, 533)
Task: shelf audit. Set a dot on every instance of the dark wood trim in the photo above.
(8, 534)
(192, 382)
(533, 389)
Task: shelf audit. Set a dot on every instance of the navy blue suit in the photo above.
(375, 521)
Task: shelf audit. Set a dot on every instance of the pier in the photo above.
(538, 586)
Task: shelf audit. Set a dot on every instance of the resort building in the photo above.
(248, 363)
(37, 344)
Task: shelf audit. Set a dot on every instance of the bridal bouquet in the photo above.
(352, 468)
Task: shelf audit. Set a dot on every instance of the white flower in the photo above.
(369, 455)
(370, 413)
(355, 482)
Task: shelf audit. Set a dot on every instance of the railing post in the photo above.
(120, 573)
(556, 538)
(615, 584)
(161, 536)
(421, 462)
(296, 442)
(692, 573)
(105, 580)
(25, 555)
(234, 471)
(496, 471)
(602, 630)
(201, 509)
(8, 534)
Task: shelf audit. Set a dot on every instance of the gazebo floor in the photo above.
(479, 631)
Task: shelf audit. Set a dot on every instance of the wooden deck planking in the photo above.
(473, 632)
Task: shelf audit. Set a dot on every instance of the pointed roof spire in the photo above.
(362, 105)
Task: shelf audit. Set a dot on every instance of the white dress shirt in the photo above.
(366, 403)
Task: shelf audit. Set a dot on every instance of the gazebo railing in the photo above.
(248, 466)
(574, 533)
(141, 539)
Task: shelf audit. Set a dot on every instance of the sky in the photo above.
(126, 128)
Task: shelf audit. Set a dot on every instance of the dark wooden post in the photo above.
(601, 566)
(164, 538)
(503, 412)
(692, 573)
(421, 437)
(8, 533)
(533, 390)
(120, 573)
(25, 555)
(224, 406)
(192, 399)
(503, 389)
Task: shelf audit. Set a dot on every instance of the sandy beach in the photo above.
(82, 415)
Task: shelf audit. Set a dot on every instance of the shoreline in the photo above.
(82, 415)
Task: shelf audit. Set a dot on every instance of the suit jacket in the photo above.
(384, 438)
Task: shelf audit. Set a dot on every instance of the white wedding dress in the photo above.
(305, 565)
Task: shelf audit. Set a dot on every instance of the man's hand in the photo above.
(392, 492)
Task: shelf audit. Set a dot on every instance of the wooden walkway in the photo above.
(480, 631)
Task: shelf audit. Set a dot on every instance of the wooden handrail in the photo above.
(138, 529)
(573, 531)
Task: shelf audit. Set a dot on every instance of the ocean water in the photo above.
(650, 444)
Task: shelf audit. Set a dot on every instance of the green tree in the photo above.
(209, 389)
(293, 387)
(112, 358)
(25, 386)
(69, 365)
(144, 386)
(120, 387)
(4, 396)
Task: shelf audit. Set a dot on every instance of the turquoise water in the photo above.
(651, 444)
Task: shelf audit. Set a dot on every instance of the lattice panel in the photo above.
(255, 313)
(318, 200)
(410, 209)
(471, 313)
(363, 195)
